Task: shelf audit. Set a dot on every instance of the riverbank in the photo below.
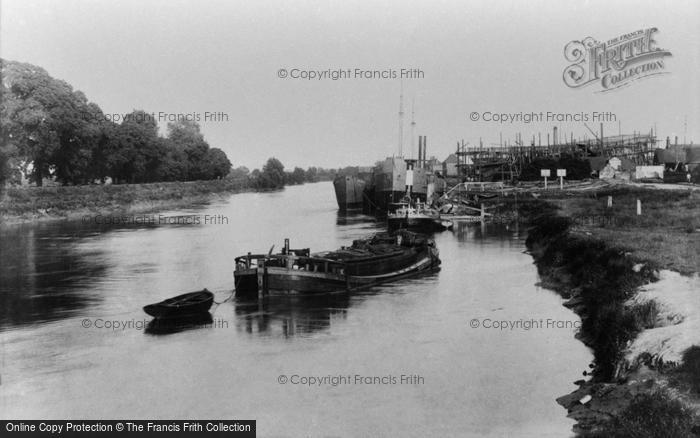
(35, 204)
(616, 270)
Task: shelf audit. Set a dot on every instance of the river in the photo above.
(421, 357)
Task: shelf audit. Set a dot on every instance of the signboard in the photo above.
(544, 172)
(561, 172)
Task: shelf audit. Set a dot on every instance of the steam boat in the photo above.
(378, 259)
(415, 216)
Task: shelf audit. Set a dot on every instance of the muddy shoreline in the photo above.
(599, 282)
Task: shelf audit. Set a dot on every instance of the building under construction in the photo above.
(506, 161)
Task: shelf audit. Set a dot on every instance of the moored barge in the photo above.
(378, 259)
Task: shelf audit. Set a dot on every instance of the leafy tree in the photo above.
(174, 166)
(136, 152)
(298, 176)
(255, 177)
(48, 129)
(239, 173)
(44, 120)
(215, 164)
(272, 175)
(311, 174)
(185, 136)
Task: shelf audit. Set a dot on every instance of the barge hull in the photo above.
(349, 192)
(279, 281)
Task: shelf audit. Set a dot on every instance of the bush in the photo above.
(691, 365)
(695, 175)
(652, 415)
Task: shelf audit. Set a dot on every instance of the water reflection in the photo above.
(356, 217)
(176, 325)
(489, 232)
(43, 277)
(290, 316)
(50, 270)
(298, 316)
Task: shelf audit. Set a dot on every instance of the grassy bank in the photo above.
(65, 202)
(667, 232)
(597, 258)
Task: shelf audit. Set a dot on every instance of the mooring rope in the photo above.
(229, 298)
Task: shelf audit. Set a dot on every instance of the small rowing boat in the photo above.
(192, 303)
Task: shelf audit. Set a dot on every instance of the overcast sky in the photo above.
(186, 56)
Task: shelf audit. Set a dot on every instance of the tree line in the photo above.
(49, 130)
(274, 176)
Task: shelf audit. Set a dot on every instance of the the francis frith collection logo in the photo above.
(616, 62)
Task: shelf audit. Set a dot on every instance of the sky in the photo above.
(189, 57)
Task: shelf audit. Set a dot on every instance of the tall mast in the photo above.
(413, 128)
(401, 122)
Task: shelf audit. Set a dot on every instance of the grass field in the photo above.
(666, 233)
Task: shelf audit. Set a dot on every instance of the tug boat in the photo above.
(380, 258)
(415, 216)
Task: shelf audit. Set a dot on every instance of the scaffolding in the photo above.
(479, 163)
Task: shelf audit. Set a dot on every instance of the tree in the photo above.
(185, 136)
(136, 150)
(311, 174)
(239, 173)
(215, 164)
(298, 176)
(44, 120)
(48, 129)
(174, 166)
(272, 175)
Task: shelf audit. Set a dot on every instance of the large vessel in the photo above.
(398, 177)
(351, 188)
(387, 184)
(390, 180)
(380, 258)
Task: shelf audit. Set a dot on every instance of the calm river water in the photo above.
(58, 278)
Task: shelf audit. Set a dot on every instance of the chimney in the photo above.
(554, 136)
(420, 147)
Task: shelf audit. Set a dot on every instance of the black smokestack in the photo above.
(420, 148)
